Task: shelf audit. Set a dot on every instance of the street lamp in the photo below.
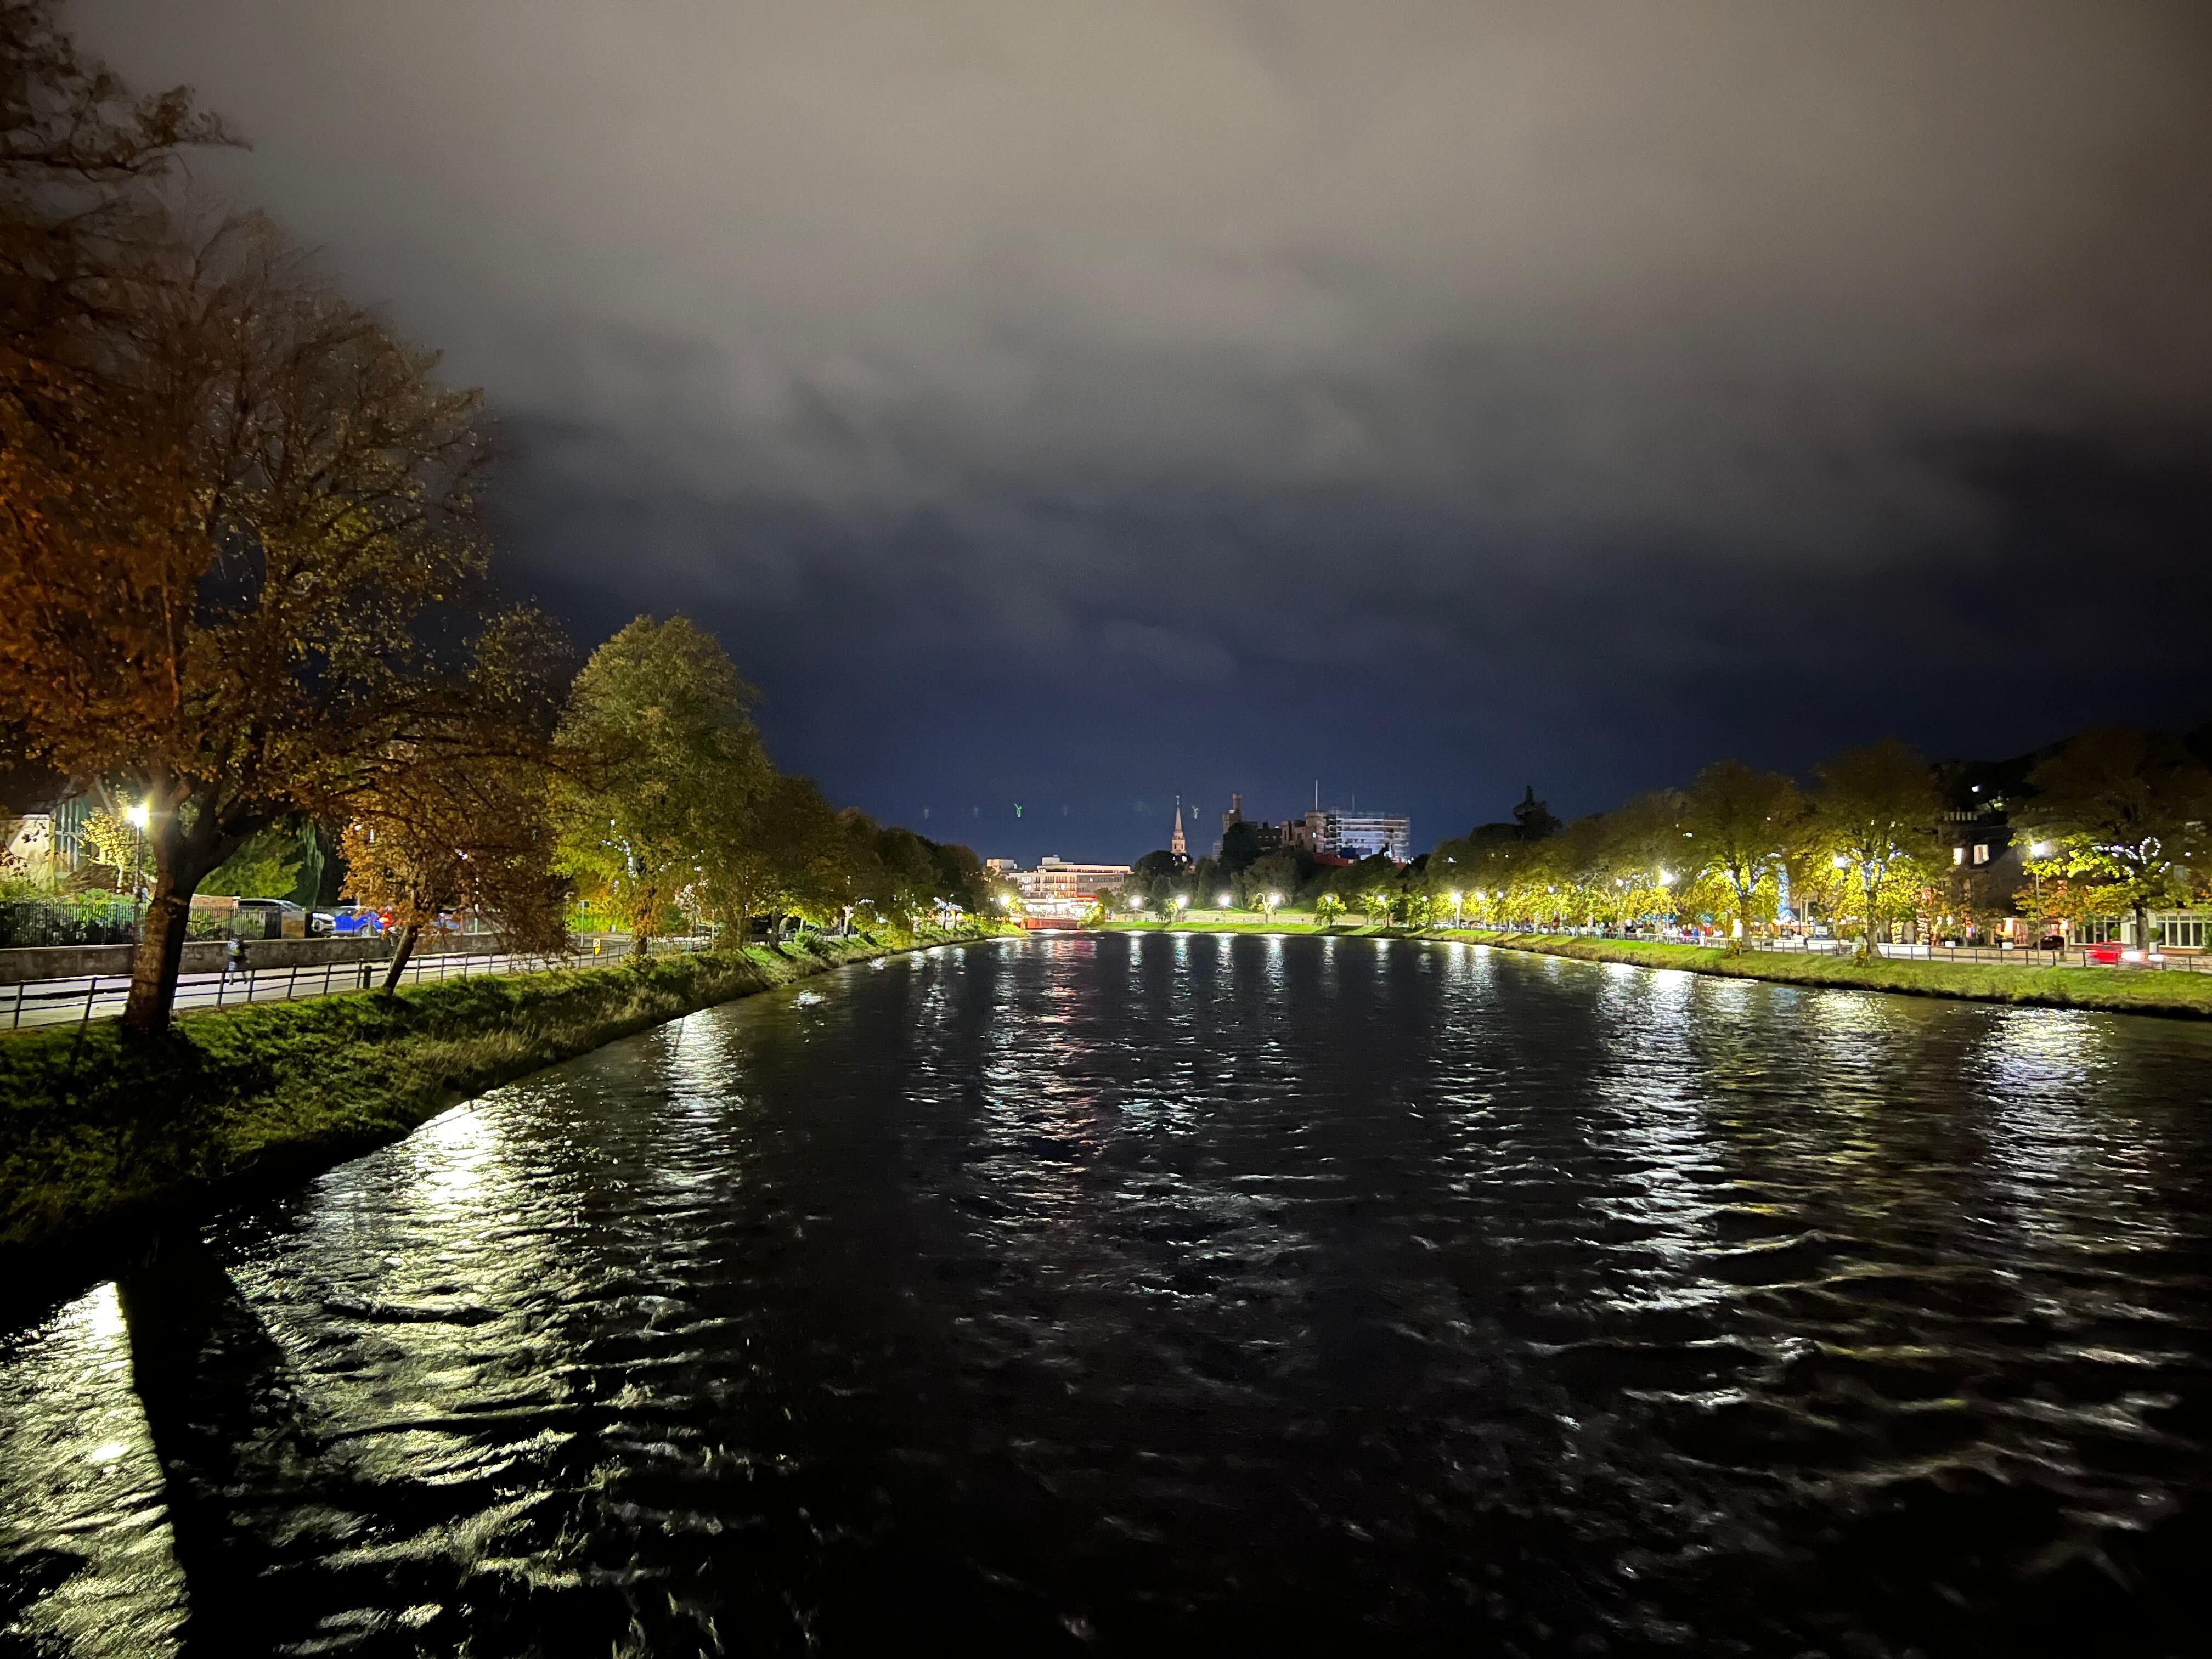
(1271, 902)
(1181, 903)
(1228, 901)
(1455, 899)
(139, 817)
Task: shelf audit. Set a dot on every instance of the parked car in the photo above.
(349, 919)
(267, 918)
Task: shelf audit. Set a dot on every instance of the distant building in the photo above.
(1056, 880)
(1178, 848)
(41, 828)
(27, 849)
(1361, 835)
(1266, 837)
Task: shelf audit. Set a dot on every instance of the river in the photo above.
(1123, 1294)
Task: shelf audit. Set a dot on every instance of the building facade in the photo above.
(1057, 882)
(1358, 835)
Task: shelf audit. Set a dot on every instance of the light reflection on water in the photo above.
(1138, 1289)
(82, 1517)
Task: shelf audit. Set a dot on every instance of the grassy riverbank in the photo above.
(2107, 990)
(97, 1129)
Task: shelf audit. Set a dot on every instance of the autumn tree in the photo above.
(2126, 815)
(265, 866)
(1636, 862)
(789, 856)
(443, 833)
(1739, 823)
(1877, 816)
(268, 589)
(456, 818)
(660, 774)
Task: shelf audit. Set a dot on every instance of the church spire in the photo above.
(1179, 846)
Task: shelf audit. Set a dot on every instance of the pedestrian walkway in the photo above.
(78, 1001)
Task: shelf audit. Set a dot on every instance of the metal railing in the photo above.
(85, 998)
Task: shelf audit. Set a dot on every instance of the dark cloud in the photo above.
(1080, 404)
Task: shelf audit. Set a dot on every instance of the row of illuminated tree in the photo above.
(246, 584)
(2115, 822)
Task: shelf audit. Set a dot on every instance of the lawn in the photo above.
(98, 1128)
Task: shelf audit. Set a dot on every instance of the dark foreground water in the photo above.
(1134, 1294)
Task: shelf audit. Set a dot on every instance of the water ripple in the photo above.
(1110, 1293)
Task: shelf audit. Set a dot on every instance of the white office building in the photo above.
(1361, 835)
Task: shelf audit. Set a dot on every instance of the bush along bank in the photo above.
(105, 1134)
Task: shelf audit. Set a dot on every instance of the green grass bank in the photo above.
(2105, 990)
(100, 1134)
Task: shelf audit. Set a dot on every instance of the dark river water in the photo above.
(1137, 1294)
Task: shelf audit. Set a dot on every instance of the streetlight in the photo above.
(1455, 899)
(1228, 901)
(139, 816)
(1271, 902)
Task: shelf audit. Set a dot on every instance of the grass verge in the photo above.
(100, 1133)
(2105, 990)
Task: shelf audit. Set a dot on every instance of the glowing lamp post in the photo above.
(139, 817)
(1269, 903)
(1455, 907)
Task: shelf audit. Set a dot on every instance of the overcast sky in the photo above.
(1076, 405)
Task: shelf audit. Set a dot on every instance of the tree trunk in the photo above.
(1867, 945)
(400, 952)
(2143, 932)
(159, 954)
(181, 859)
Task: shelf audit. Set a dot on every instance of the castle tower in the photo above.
(1178, 846)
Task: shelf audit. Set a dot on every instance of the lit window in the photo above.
(1981, 853)
(1958, 855)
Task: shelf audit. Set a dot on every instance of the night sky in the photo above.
(1077, 404)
